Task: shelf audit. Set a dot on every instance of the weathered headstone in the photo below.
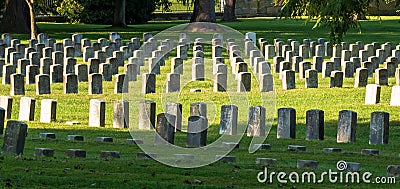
(173, 83)
(48, 110)
(6, 104)
(381, 76)
(244, 82)
(27, 109)
(266, 82)
(17, 85)
(95, 84)
(165, 129)
(361, 78)
(43, 84)
(97, 112)
(395, 96)
(70, 83)
(286, 123)
(288, 80)
(347, 124)
(147, 115)
(379, 128)
(176, 110)
(120, 86)
(336, 79)
(148, 83)
(14, 139)
(229, 119)
(121, 114)
(315, 125)
(372, 94)
(256, 121)
(197, 131)
(56, 73)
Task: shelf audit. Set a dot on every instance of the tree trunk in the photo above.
(229, 11)
(204, 11)
(119, 13)
(16, 17)
(32, 19)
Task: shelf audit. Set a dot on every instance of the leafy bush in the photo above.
(102, 11)
(71, 10)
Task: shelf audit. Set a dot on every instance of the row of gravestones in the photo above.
(347, 123)
(14, 142)
(336, 78)
(373, 95)
(49, 111)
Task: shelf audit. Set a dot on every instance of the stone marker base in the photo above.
(44, 152)
(143, 155)
(296, 148)
(76, 153)
(266, 161)
(47, 135)
(109, 154)
(104, 139)
(134, 141)
(332, 150)
(371, 152)
(225, 158)
(75, 137)
(307, 164)
(393, 170)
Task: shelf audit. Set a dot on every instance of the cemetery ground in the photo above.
(127, 171)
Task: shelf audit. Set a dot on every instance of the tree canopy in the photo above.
(337, 15)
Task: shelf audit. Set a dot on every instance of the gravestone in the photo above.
(266, 82)
(372, 94)
(81, 70)
(311, 79)
(95, 84)
(220, 82)
(43, 84)
(70, 83)
(165, 129)
(315, 125)
(8, 70)
(197, 131)
(347, 124)
(229, 119)
(17, 85)
(303, 67)
(119, 84)
(44, 152)
(286, 123)
(381, 76)
(327, 68)
(147, 115)
(58, 58)
(131, 71)
(307, 164)
(379, 128)
(198, 109)
(97, 112)
(395, 96)
(288, 80)
(198, 72)
(336, 79)
(369, 67)
(31, 72)
(114, 65)
(45, 64)
(88, 52)
(106, 71)
(177, 65)
(182, 52)
(94, 65)
(14, 139)
(76, 153)
(121, 114)
(348, 69)
(391, 68)
(6, 104)
(361, 78)
(69, 66)
(256, 121)
(27, 109)
(48, 110)
(175, 109)
(56, 73)
(244, 82)
(173, 83)
(148, 83)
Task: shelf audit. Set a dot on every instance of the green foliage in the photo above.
(2, 7)
(46, 7)
(102, 11)
(337, 15)
(71, 10)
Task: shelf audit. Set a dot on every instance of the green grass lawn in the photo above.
(129, 172)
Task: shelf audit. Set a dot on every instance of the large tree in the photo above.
(229, 11)
(119, 13)
(16, 17)
(204, 10)
(337, 15)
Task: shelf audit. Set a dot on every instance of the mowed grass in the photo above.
(129, 172)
